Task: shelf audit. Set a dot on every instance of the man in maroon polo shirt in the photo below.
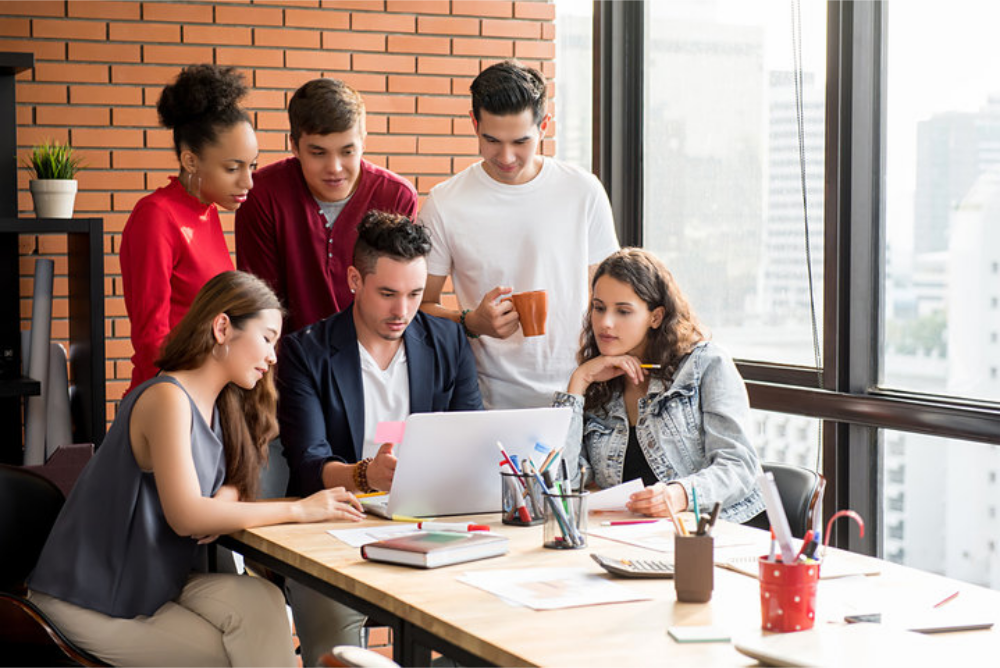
(298, 226)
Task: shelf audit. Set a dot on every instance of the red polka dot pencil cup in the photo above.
(788, 595)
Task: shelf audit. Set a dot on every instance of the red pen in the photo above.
(451, 526)
(618, 523)
(805, 543)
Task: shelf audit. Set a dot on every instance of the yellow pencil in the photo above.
(369, 495)
(650, 366)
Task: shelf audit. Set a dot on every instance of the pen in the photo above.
(650, 366)
(770, 556)
(805, 543)
(451, 526)
(945, 600)
(678, 525)
(369, 495)
(406, 518)
(714, 516)
(620, 523)
(697, 513)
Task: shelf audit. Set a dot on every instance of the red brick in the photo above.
(419, 164)
(418, 6)
(123, 328)
(15, 27)
(463, 162)
(49, 244)
(462, 126)
(377, 123)
(460, 66)
(283, 79)
(249, 57)
(43, 50)
(120, 368)
(143, 74)
(216, 35)
(323, 60)
(71, 115)
(495, 8)
(48, 8)
(125, 201)
(368, 62)
(118, 349)
(545, 11)
(115, 95)
(95, 179)
(549, 31)
(116, 222)
(145, 159)
(363, 5)
(447, 146)
(92, 201)
(500, 48)
(420, 84)
(354, 41)
(390, 104)
(175, 12)
(294, 3)
(144, 117)
(271, 120)
(241, 15)
(77, 73)
(69, 29)
(317, 19)
(453, 106)
(380, 22)
(265, 99)
(449, 25)
(24, 115)
(460, 85)
(95, 158)
(540, 50)
(517, 29)
(411, 44)
(434, 125)
(549, 70)
(104, 138)
(293, 37)
(424, 185)
(89, 9)
(159, 138)
(390, 144)
(145, 32)
(365, 83)
(176, 55)
(104, 52)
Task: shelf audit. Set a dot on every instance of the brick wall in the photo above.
(100, 67)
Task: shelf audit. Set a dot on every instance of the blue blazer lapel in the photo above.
(420, 366)
(345, 361)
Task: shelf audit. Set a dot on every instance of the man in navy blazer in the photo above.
(379, 360)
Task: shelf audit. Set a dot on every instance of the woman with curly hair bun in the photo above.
(173, 241)
(653, 398)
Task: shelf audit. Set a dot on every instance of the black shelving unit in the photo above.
(85, 258)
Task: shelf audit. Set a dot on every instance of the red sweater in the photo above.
(172, 245)
(281, 236)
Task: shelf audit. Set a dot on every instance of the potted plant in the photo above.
(53, 189)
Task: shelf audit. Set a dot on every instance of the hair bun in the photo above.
(200, 92)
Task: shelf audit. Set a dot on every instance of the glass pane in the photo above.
(940, 503)
(942, 202)
(574, 100)
(787, 439)
(723, 196)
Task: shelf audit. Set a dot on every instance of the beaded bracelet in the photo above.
(461, 321)
(361, 476)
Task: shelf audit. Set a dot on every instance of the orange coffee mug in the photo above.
(532, 310)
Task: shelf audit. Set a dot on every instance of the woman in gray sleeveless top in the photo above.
(179, 467)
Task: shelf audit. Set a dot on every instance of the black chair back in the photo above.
(29, 505)
(801, 490)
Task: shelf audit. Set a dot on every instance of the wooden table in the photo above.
(431, 610)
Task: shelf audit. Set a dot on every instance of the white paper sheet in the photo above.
(366, 535)
(614, 498)
(658, 536)
(551, 588)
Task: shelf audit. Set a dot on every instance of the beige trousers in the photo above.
(218, 620)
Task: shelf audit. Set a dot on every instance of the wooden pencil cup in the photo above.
(694, 564)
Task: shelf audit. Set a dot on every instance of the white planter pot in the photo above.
(53, 198)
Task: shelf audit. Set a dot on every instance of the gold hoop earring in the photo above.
(225, 352)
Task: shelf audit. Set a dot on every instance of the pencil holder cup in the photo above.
(565, 521)
(787, 595)
(522, 500)
(694, 563)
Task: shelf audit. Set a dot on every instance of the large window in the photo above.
(574, 99)
(726, 96)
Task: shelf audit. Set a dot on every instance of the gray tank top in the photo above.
(111, 549)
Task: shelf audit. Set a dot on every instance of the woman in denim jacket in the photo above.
(678, 426)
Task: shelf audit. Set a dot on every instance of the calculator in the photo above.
(635, 568)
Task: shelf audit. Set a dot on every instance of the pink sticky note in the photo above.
(389, 432)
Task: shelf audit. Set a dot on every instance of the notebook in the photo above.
(431, 549)
(449, 464)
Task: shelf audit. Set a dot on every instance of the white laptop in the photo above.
(449, 464)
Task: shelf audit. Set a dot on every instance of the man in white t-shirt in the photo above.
(514, 222)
